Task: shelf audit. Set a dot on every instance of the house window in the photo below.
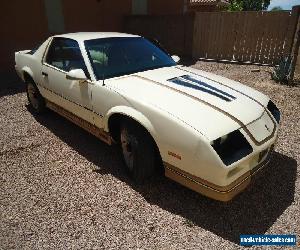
(139, 7)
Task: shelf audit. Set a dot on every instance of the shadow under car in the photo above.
(251, 212)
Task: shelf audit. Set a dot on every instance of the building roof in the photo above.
(208, 2)
(82, 36)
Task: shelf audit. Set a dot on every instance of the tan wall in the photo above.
(23, 24)
(93, 15)
(174, 32)
(165, 7)
(204, 8)
(20, 28)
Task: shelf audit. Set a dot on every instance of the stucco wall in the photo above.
(165, 7)
(22, 26)
(95, 15)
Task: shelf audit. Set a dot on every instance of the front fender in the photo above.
(132, 113)
(28, 71)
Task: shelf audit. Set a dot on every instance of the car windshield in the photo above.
(112, 57)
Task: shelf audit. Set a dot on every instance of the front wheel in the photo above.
(138, 151)
(36, 101)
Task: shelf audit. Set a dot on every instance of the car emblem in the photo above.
(267, 127)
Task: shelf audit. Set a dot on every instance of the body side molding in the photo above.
(99, 133)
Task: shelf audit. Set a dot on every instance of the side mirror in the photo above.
(176, 58)
(76, 74)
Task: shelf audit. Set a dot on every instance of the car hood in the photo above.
(211, 104)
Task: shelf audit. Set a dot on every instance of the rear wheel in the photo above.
(36, 101)
(138, 150)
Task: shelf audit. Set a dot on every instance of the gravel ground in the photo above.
(62, 188)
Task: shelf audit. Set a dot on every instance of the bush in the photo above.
(282, 72)
(235, 5)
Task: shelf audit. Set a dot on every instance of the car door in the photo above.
(62, 56)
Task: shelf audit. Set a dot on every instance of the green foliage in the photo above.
(246, 5)
(282, 72)
(235, 5)
(276, 8)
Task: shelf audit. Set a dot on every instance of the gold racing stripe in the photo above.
(243, 126)
(99, 133)
(199, 185)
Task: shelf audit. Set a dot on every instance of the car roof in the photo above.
(82, 36)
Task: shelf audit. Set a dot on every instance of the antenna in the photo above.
(103, 84)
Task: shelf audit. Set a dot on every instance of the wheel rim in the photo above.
(127, 144)
(33, 95)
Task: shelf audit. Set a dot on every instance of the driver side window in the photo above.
(65, 54)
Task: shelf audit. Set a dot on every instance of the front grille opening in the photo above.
(274, 111)
(233, 148)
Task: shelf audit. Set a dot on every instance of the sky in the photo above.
(284, 4)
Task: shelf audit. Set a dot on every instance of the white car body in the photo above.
(182, 121)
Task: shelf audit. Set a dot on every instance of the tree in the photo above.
(235, 5)
(244, 5)
(276, 8)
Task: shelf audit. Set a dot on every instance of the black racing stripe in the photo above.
(238, 91)
(189, 78)
(189, 85)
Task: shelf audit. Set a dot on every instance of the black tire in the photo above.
(35, 99)
(138, 151)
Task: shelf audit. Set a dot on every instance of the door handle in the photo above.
(44, 74)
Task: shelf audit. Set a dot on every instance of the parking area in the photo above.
(62, 188)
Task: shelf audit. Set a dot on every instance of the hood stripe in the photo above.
(188, 71)
(242, 125)
(192, 79)
(197, 87)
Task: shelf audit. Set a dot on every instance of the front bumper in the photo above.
(221, 193)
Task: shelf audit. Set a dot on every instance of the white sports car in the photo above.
(210, 133)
